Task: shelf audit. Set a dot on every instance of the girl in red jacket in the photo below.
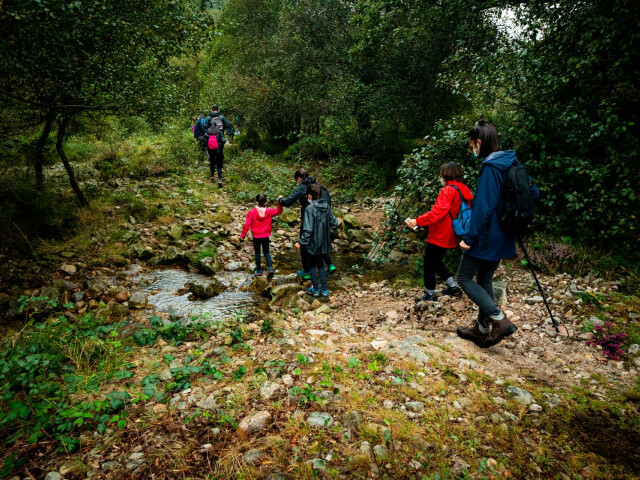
(259, 221)
(441, 236)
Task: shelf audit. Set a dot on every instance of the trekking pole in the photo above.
(535, 277)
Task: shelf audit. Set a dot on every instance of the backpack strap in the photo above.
(461, 199)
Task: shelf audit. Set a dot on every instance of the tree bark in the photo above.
(40, 144)
(62, 128)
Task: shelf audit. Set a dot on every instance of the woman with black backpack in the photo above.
(486, 242)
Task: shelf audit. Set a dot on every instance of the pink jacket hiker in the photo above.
(259, 221)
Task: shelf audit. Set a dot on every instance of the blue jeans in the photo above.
(317, 261)
(480, 293)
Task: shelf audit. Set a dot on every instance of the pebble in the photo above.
(53, 476)
(534, 407)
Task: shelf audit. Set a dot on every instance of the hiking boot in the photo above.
(474, 334)
(428, 297)
(454, 291)
(219, 183)
(257, 273)
(324, 293)
(304, 275)
(213, 180)
(499, 330)
(270, 272)
(331, 268)
(313, 292)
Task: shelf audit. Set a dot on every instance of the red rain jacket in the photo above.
(260, 225)
(438, 219)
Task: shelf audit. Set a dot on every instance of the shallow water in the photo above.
(165, 283)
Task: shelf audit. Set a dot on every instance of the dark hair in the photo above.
(261, 200)
(488, 136)
(315, 190)
(214, 108)
(450, 171)
(301, 173)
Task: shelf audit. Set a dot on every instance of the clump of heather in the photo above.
(610, 340)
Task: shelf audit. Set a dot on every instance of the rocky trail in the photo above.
(370, 384)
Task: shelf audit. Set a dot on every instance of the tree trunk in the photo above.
(62, 127)
(40, 144)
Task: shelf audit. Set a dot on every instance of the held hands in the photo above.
(411, 223)
(297, 245)
(463, 245)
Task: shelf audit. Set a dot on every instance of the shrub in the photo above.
(610, 339)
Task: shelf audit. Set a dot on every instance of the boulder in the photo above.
(288, 216)
(233, 266)
(171, 254)
(207, 265)
(114, 311)
(117, 260)
(351, 221)
(319, 419)
(138, 300)
(175, 232)
(206, 288)
(62, 285)
(358, 236)
(282, 291)
(271, 390)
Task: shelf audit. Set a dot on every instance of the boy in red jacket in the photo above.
(259, 222)
(441, 236)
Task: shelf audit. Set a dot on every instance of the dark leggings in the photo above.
(480, 293)
(264, 242)
(216, 161)
(317, 262)
(433, 255)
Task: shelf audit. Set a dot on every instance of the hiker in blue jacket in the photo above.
(199, 134)
(486, 243)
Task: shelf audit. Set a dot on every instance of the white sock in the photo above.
(450, 282)
(498, 317)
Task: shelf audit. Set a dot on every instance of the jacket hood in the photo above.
(501, 160)
(309, 181)
(214, 114)
(466, 193)
(320, 204)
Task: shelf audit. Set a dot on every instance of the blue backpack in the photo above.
(462, 222)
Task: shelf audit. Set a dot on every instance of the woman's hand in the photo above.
(463, 245)
(412, 223)
(297, 245)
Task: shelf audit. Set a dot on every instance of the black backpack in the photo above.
(517, 209)
(216, 126)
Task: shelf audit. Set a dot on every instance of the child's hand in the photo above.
(297, 245)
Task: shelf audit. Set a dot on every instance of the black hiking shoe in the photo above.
(474, 334)
(219, 183)
(452, 291)
(500, 329)
(428, 297)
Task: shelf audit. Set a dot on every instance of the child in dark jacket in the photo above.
(259, 222)
(316, 238)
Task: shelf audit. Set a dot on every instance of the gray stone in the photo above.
(407, 347)
(253, 423)
(534, 407)
(510, 416)
(138, 300)
(358, 236)
(53, 476)
(206, 288)
(69, 269)
(165, 375)
(414, 406)
(521, 395)
(111, 465)
(63, 285)
(253, 456)
(351, 221)
(352, 419)
(319, 419)
(533, 300)
(282, 291)
(500, 292)
(114, 311)
(233, 266)
(593, 321)
(175, 232)
(208, 403)
(271, 390)
(634, 348)
(380, 451)
(207, 265)
(279, 476)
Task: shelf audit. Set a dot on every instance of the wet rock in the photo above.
(320, 419)
(69, 269)
(271, 390)
(62, 285)
(138, 301)
(122, 296)
(253, 423)
(233, 266)
(207, 265)
(521, 395)
(257, 285)
(53, 476)
(206, 288)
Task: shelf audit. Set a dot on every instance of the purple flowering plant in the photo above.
(610, 340)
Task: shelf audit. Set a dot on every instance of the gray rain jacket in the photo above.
(316, 225)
